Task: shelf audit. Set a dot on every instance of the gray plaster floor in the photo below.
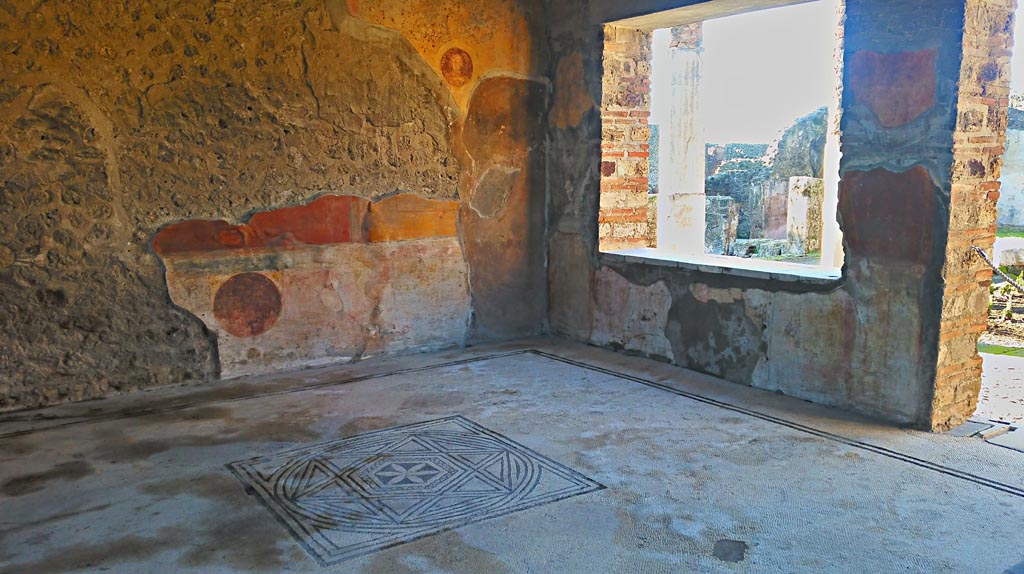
(611, 463)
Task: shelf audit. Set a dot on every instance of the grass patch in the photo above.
(1011, 232)
(1000, 350)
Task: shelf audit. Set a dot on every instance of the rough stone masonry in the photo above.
(120, 121)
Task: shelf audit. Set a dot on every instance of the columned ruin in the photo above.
(681, 196)
(831, 235)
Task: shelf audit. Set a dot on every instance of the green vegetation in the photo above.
(1009, 232)
(743, 165)
(1000, 350)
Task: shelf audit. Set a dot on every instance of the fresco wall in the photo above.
(203, 189)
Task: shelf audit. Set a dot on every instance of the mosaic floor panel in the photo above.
(345, 498)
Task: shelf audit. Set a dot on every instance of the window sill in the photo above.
(729, 266)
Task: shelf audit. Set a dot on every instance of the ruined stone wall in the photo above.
(121, 120)
(979, 140)
(867, 342)
(625, 154)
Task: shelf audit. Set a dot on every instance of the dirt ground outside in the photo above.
(1002, 348)
(1005, 317)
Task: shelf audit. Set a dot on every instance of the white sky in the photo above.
(760, 71)
(1017, 62)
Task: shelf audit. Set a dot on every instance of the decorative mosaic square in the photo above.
(345, 498)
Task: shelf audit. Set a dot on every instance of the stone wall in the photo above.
(120, 120)
(625, 153)
(722, 219)
(803, 214)
(869, 341)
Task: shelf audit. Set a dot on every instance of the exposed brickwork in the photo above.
(625, 151)
(978, 147)
(688, 36)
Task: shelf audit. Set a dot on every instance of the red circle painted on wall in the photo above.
(247, 304)
(457, 67)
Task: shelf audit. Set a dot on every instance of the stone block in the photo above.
(721, 218)
(803, 215)
(969, 429)
(761, 248)
(1009, 252)
(776, 205)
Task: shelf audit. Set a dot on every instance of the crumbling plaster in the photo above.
(119, 120)
(869, 342)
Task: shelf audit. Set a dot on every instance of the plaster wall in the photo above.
(868, 342)
(121, 121)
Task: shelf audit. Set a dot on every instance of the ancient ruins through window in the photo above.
(717, 153)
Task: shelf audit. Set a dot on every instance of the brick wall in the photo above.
(978, 146)
(625, 153)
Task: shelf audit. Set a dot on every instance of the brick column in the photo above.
(625, 148)
(978, 141)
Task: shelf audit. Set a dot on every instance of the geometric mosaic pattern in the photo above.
(349, 497)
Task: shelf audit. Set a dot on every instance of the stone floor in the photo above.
(540, 456)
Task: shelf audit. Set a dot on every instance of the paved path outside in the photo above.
(1002, 388)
